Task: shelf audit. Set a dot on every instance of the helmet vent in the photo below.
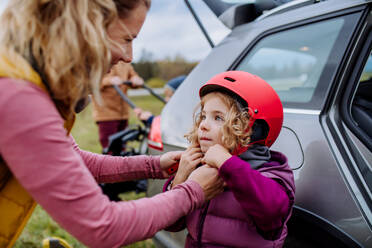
(230, 79)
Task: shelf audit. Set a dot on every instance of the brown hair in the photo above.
(125, 6)
(235, 131)
(65, 41)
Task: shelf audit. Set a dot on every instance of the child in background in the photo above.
(169, 88)
(241, 116)
(172, 85)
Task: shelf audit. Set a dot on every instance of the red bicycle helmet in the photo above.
(263, 102)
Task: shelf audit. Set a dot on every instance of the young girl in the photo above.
(240, 118)
(53, 53)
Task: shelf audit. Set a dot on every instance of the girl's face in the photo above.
(124, 31)
(212, 117)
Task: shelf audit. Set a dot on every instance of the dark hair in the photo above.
(125, 6)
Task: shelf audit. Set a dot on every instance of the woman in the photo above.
(52, 55)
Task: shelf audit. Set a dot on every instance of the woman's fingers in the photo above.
(191, 155)
(193, 150)
(169, 158)
(196, 156)
(209, 180)
(196, 162)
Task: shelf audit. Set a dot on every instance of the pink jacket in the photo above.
(252, 212)
(63, 179)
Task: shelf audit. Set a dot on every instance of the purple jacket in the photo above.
(252, 212)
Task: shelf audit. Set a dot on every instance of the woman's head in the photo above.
(125, 29)
(222, 120)
(71, 43)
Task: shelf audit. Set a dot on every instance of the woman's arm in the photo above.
(39, 153)
(107, 169)
(181, 223)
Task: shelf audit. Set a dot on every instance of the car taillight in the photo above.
(154, 137)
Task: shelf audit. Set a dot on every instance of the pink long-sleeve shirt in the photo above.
(63, 179)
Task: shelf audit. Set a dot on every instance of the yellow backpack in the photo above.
(16, 207)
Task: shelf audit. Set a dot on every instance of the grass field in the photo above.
(85, 132)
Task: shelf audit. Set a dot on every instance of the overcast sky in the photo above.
(2, 4)
(170, 29)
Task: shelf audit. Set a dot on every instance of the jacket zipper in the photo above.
(202, 217)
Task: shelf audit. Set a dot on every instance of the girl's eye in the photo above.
(202, 117)
(219, 118)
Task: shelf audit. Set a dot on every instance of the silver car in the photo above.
(317, 56)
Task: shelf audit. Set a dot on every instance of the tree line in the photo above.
(158, 72)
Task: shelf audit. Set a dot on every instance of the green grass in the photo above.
(85, 132)
(156, 83)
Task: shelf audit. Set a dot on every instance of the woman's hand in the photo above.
(189, 160)
(115, 80)
(208, 179)
(169, 159)
(137, 82)
(216, 156)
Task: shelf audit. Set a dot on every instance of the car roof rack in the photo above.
(287, 7)
(235, 14)
(238, 14)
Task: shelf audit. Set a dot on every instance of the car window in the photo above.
(238, 1)
(292, 61)
(367, 71)
(356, 110)
(362, 105)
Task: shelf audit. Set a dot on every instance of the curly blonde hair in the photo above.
(236, 131)
(65, 41)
